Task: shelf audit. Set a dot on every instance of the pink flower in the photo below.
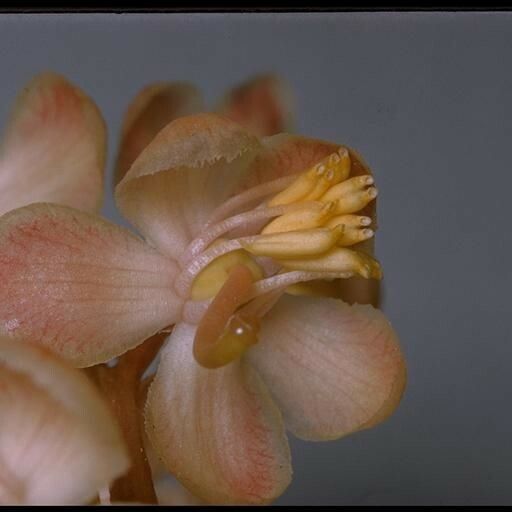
(59, 443)
(232, 223)
(53, 148)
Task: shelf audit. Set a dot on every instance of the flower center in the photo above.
(291, 230)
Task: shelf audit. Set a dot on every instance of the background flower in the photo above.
(59, 443)
(53, 148)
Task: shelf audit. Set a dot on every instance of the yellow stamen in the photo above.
(315, 181)
(313, 215)
(355, 201)
(295, 244)
(300, 187)
(353, 221)
(338, 260)
(353, 231)
(348, 187)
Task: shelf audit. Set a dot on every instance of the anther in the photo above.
(338, 260)
(293, 244)
(349, 186)
(348, 220)
(313, 215)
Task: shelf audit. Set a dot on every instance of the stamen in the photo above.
(222, 334)
(352, 232)
(311, 215)
(293, 244)
(214, 231)
(304, 184)
(347, 187)
(249, 196)
(353, 221)
(356, 201)
(336, 172)
(338, 260)
(310, 185)
(282, 281)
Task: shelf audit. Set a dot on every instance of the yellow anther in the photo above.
(356, 201)
(299, 188)
(314, 182)
(338, 260)
(344, 164)
(348, 187)
(294, 244)
(353, 221)
(313, 215)
(354, 229)
(211, 279)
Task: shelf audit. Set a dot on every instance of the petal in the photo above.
(155, 106)
(59, 443)
(188, 169)
(333, 369)
(217, 431)
(54, 148)
(262, 104)
(86, 288)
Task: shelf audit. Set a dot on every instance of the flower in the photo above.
(230, 223)
(53, 148)
(263, 104)
(59, 443)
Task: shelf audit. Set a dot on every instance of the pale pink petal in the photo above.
(263, 105)
(188, 169)
(54, 147)
(84, 287)
(59, 443)
(154, 106)
(217, 431)
(332, 368)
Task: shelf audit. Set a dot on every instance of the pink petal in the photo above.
(217, 431)
(59, 443)
(188, 169)
(54, 148)
(154, 106)
(333, 369)
(86, 288)
(262, 104)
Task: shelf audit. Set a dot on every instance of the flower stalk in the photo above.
(124, 389)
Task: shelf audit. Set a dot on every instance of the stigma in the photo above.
(304, 229)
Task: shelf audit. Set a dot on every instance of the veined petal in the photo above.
(188, 169)
(84, 287)
(218, 431)
(54, 147)
(263, 105)
(332, 368)
(59, 443)
(154, 106)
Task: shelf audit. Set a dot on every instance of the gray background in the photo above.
(427, 99)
